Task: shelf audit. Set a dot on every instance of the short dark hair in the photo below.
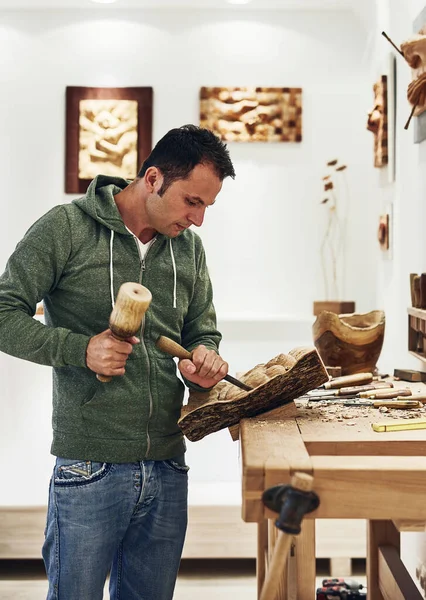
(182, 149)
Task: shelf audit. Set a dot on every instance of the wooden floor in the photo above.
(206, 579)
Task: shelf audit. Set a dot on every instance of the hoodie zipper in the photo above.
(151, 403)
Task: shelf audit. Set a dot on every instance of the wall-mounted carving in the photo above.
(383, 232)
(107, 138)
(413, 50)
(378, 122)
(108, 131)
(252, 114)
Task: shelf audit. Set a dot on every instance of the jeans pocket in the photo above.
(175, 466)
(70, 472)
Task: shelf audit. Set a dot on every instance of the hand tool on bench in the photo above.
(401, 404)
(133, 300)
(380, 394)
(292, 502)
(385, 394)
(174, 349)
(349, 391)
(356, 378)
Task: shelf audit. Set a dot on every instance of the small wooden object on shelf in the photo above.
(350, 341)
(334, 371)
(334, 306)
(417, 332)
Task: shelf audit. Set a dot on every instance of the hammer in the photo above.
(126, 317)
(292, 502)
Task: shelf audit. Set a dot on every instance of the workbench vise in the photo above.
(292, 502)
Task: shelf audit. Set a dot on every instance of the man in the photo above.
(118, 494)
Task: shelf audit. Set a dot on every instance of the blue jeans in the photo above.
(128, 520)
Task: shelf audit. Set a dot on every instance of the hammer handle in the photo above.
(277, 574)
(174, 349)
(108, 378)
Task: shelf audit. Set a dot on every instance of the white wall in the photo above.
(407, 196)
(262, 237)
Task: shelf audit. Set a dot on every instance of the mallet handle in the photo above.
(277, 568)
(133, 300)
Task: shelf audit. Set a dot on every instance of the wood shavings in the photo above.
(328, 412)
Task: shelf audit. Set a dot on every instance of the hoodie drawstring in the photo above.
(174, 273)
(111, 270)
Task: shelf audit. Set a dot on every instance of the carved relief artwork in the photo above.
(108, 131)
(252, 114)
(378, 122)
(107, 138)
(414, 52)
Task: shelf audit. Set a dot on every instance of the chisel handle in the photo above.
(174, 349)
(385, 394)
(349, 391)
(397, 404)
(355, 379)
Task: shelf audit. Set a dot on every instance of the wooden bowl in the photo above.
(351, 341)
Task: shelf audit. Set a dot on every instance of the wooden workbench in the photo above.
(358, 474)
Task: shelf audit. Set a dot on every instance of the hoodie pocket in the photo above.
(118, 409)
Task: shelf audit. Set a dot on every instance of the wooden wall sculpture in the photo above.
(378, 122)
(108, 131)
(414, 52)
(252, 114)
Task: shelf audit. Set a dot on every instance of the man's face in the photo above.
(184, 202)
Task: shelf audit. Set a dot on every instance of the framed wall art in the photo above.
(252, 114)
(108, 131)
(420, 123)
(378, 121)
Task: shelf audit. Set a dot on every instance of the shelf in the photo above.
(417, 355)
(417, 332)
(416, 312)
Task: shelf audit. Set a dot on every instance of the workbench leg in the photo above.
(305, 562)
(262, 554)
(379, 533)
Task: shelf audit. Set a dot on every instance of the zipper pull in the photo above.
(143, 264)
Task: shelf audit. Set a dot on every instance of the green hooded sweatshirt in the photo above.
(74, 259)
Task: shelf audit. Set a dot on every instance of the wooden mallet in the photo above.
(126, 317)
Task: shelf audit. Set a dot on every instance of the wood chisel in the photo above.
(402, 425)
(346, 380)
(174, 349)
(385, 394)
(350, 391)
(386, 403)
(381, 394)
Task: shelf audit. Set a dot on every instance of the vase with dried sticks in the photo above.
(333, 244)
